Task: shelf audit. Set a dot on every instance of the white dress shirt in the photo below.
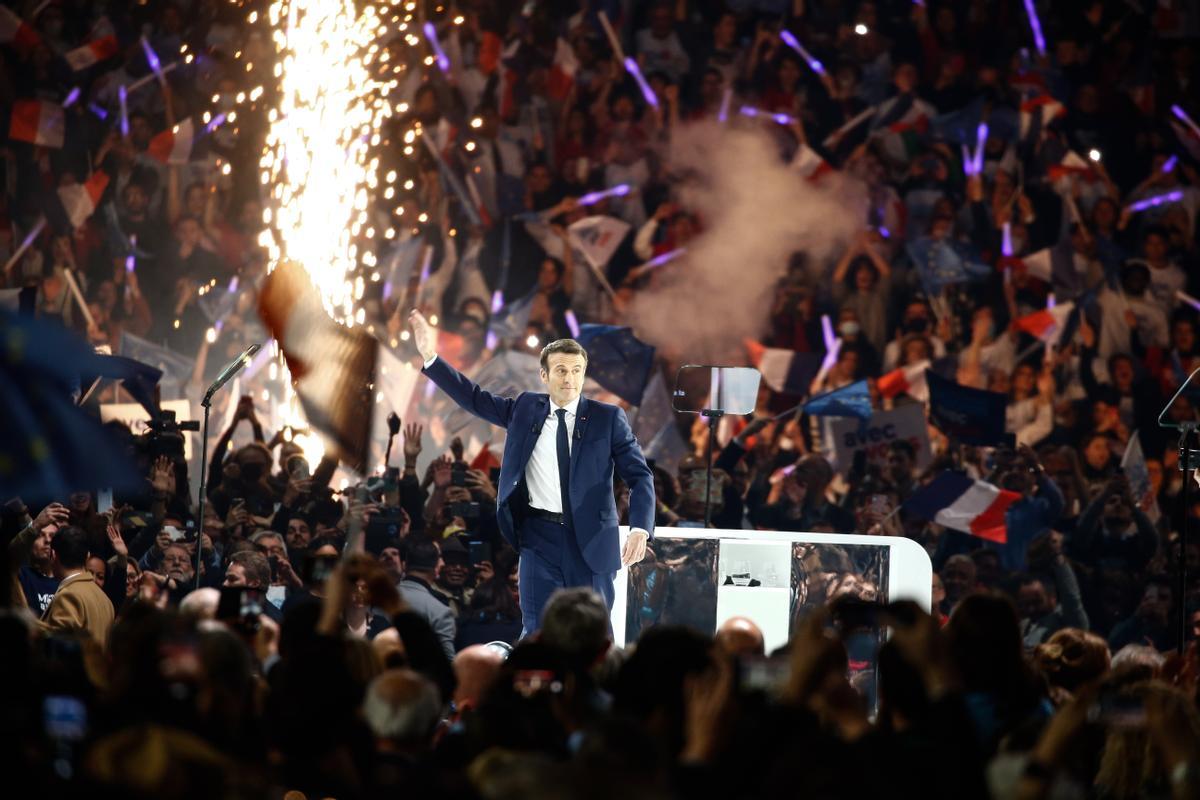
(541, 473)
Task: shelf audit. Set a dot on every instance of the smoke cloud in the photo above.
(756, 212)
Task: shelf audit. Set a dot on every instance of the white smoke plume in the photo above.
(756, 212)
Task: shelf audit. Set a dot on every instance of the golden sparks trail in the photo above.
(317, 159)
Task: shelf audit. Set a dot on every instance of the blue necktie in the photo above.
(564, 464)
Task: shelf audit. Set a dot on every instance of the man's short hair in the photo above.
(71, 547)
(421, 553)
(568, 346)
(575, 622)
(255, 565)
(258, 537)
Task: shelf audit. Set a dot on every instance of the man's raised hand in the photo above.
(424, 335)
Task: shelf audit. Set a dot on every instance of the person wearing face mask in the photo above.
(917, 320)
(861, 281)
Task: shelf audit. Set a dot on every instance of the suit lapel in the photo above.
(540, 412)
(583, 413)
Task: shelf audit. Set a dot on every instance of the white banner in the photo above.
(906, 423)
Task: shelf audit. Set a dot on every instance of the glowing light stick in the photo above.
(636, 72)
(214, 123)
(1050, 301)
(791, 41)
(981, 134)
(1035, 26)
(782, 119)
(1169, 164)
(572, 323)
(665, 258)
(98, 111)
(124, 111)
(1157, 200)
(723, 114)
(152, 60)
(497, 301)
(1187, 298)
(1006, 248)
(443, 61)
(72, 96)
(25, 243)
(591, 198)
(142, 81)
(1186, 120)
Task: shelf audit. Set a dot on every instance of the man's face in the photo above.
(177, 564)
(899, 466)
(298, 534)
(455, 573)
(957, 578)
(235, 576)
(272, 546)
(135, 199)
(1033, 601)
(389, 559)
(40, 552)
(564, 377)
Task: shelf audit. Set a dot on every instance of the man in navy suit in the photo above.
(555, 501)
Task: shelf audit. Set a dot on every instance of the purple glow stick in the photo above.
(1006, 248)
(751, 111)
(152, 58)
(430, 388)
(591, 198)
(497, 301)
(827, 331)
(98, 111)
(1157, 200)
(426, 264)
(124, 111)
(387, 290)
(214, 123)
(1050, 301)
(723, 114)
(233, 284)
(981, 134)
(130, 263)
(1169, 164)
(791, 41)
(884, 232)
(968, 161)
(1035, 25)
(636, 72)
(659, 260)
(72, 96)
(572, 323)
(443, 61)
(1185, 119)
(491, 341)
(1187, 298)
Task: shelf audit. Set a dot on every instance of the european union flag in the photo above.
(48, 445)
(972, 416)
(942, 262)
(617, 360)
(849, 401)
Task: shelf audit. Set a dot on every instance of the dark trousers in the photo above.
(550, 560)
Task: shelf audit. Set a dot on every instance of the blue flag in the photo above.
(176, 369)
(617, 360)
(510, 323)
(849, 401)
(960, 126)
(50, 447)
(972, 416)
(942, 262)
(138, 379)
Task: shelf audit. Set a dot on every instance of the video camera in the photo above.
(164, 436)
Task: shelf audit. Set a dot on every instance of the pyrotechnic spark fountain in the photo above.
(317, 159)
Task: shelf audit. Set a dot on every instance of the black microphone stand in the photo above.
(1189, 459)
(714, 418)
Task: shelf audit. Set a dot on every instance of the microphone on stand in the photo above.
(231, 369)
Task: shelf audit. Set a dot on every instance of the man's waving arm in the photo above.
(462, 390)
(631, 465)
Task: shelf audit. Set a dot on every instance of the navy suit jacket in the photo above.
(603, 441)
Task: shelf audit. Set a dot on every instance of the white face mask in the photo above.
(849, 328)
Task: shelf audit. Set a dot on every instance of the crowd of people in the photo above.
(349, 637)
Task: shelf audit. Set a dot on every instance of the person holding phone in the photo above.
(555, 503)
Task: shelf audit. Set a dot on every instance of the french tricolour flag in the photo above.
(963, 504)
(17, 32)
(1047, 324)
(562, 71)
(37, 122)
(908, 380)
(810, 164)
(1036, 113)
(174, 145)
(784, 370)
(93, 52)
(80, 199)
(1072, 164)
